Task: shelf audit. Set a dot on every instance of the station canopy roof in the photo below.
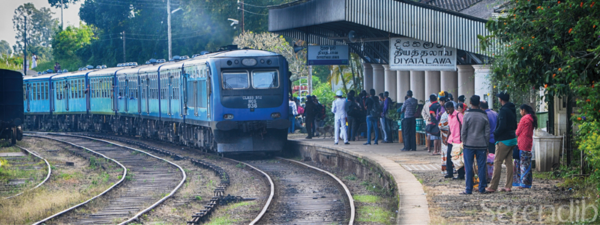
(367, 25)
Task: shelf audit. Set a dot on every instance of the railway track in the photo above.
(299, 193)
(42, 182)
(147, 181)
(305, 194)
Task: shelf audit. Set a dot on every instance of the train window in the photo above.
(24, 92)
(34, 91)
(235, 80)
(265, 79)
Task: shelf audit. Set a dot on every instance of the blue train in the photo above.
(228, 101)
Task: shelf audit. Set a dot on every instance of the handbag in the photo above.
(432, 129)
(516, 153)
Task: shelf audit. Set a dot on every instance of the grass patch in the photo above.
(222, 220)
(366, 198)
(350, 177)
(239, 204)
(545, 175)
(374, 214)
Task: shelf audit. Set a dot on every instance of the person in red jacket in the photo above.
(523, 176)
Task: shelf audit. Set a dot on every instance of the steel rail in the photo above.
(272, 185)
(349, 195)
(97, 196)
(268, 203)
(135, 217)
(47, 176)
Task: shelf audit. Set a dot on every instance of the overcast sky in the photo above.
(7, 11)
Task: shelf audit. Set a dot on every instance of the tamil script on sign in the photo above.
(411, 54)
(328, 55)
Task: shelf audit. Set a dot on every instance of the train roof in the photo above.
(245, 52)
(39, 77)
(70, 74)
(107, 71)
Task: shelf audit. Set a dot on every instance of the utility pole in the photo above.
(310, 80)
(62, 6)
(25, 49)
(124, 52)
(243, 30)
(169, 25)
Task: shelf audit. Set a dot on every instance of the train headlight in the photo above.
(275, 115)
(249, 62)
(228, 116)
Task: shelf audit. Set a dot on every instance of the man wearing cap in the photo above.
(506, 139)
(475, 133)
(409, 129)
(338, 108)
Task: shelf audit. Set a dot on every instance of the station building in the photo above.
(383, 32)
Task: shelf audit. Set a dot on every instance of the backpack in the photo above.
(300, 110)
(321, 111)
(376, 109)
(353, 109)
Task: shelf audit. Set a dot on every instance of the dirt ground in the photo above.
(539, 205)
(67, 186)
(199, 187)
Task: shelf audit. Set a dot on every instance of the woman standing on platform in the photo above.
(523, 177)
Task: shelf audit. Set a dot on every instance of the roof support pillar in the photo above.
(483, 85)
(367, 76)
(378, 78)
(449, 83)
(466, 81)
(432, 83)
(390, 81)
(417, 81)
(403, 84)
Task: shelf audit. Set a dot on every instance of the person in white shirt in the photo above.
(339, 109)
(292, 113)
(33, 61)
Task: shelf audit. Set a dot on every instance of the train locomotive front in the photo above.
(251, 101)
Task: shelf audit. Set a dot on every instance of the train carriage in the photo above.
(38, 100)
(12, 105)
(230, 101)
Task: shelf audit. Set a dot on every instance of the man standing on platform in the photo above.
(409, 131)
(338, 108)
(309, 115)
(475, 133)
(373, 112)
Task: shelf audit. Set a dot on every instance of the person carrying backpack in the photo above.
(319, 116)
(353, 111)
(373, 113)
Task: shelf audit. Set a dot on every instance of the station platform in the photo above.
(413, 206)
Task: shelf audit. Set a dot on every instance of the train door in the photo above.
(28, 96)
(88, 93)
(139, 89)
(170, 91)
(147, 94)
(184, 95)
(68, 93)
(126, 95)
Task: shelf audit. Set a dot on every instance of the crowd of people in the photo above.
(471, 139)
(354, 116)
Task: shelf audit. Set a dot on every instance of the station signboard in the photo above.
(328, 55)
(412, 54)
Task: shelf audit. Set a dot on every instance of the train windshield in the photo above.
(265, 79)
(235, 80)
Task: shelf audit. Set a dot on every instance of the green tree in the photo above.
(68, 44)
(554, 45)
(5, 47)
(40, 28)
(278, 44)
